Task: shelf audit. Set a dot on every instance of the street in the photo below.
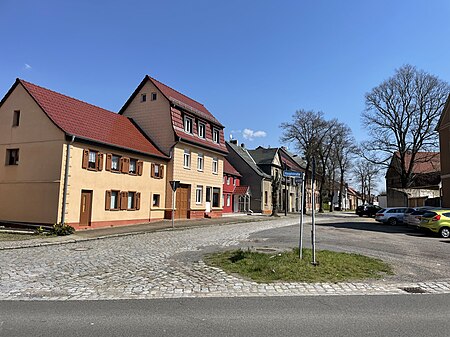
(325, 316)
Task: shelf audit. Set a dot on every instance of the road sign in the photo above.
(298, 180)
(174, 184)
(292, 174)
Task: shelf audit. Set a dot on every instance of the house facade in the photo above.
(192, 137)
(424, 189)
(67, 161)
(236, 197)
(443, 127)
(257, 182)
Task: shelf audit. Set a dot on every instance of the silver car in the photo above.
(413, 219)
(393, 215)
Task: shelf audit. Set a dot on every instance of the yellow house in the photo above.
(67, 161)
(192, 137)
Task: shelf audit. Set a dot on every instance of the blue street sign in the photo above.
(292, 174)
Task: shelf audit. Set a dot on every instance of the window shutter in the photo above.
(108, 162)
(140, 167)
(137, 200)
(123, 200)
(108, 200)
(161, 171)
(99, 161)
(125, 164)
(153, 171)
(85, 159)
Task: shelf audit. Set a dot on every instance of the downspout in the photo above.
(66, 177)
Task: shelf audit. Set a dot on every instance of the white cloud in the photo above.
(250, 134)
(27, 66)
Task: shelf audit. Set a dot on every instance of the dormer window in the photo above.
(143, 98)
(201, 129)
(187, 124)
(216, 136)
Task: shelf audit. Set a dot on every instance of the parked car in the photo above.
(392, 215)
(369, 210)
(413, 219)
(437, 221)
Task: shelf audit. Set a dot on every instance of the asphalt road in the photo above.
(416, 257)
(324, 316)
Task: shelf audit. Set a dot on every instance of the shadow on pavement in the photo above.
(374, 227)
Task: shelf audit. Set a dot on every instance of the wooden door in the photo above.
(182, 202)
(86, 208)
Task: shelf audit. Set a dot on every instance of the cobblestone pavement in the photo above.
(151, 265)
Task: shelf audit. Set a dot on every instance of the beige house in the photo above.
(192, 137)
(67, 161)
(443, 127)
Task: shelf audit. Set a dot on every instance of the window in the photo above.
(16, 118)
(266, 198)
(115, 163)
(133, 166)
(229, 181)
(228, 200)
(208, 194)
(215, 166)
(92, 163)
(201, 129)
(187, 124)
(216, 136)
(12, 156)
(234, 181)
(200, 162)
(216, 197)
(114, 204)
(199, 195)
(155, 202)
(143, 98)
(130, 200)
(157, 171)
(153, 96)
(187, 159)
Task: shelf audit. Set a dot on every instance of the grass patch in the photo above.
(286, 266)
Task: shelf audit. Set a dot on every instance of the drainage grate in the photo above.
(414, 290)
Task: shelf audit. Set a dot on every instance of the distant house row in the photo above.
(67, 161)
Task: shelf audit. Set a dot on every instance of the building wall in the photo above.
(444, 140)
(265, 206)
(30, 190)
(153, 117)
(100, 181)
(194, 177)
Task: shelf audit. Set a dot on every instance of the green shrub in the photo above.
(62, 229)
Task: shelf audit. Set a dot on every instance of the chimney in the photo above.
(243, 145)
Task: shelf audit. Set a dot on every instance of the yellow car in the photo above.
(437, 221)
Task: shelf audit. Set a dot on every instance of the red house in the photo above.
(234, 195)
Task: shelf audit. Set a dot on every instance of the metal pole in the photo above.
(285, 196)
(173, 207)
(313, 218)
(300, 244)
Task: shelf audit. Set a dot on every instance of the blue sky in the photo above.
(251, 63)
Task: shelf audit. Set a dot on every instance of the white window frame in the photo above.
(200, 162)
(114, 203)
(216, 136)
(187, 159)
(228, 200)
(201, 126)
(228, 181)
(215, 166)
(199, 195)
(188, 124)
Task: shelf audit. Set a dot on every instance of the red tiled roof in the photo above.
(240, 190)
(90, 122)
(229, 169)
(185, 102)
(424, 162)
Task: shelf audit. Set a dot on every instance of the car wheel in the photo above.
(444, 232)
(392, 221)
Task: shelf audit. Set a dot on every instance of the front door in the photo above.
(182, 201)
(86, 208)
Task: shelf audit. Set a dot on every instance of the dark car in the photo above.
(369, 210)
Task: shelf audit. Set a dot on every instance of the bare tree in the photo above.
(276, 187)
(306, 131)
(366, 173)
(401, 115)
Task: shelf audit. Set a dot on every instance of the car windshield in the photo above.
(429, 214)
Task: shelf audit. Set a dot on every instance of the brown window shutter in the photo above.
(137, 200)
(140, 167)
(85, 159)
(127, 165)
(124, 165)
(108, 162)
(108, 200)
(123, 200)
(161, 171)
(153, 171)
(99, 161)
